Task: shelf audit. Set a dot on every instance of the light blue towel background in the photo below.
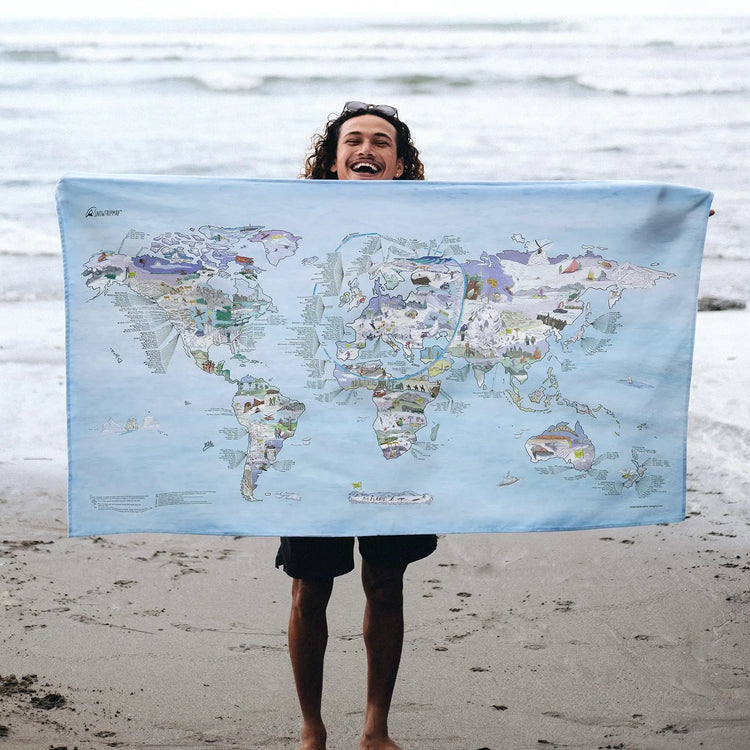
(624, 387)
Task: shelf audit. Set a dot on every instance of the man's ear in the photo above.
(333, 168)
(399, 167)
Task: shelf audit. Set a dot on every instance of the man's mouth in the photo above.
(365, 167)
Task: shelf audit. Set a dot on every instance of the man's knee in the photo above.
(384, 587)
(310, 595)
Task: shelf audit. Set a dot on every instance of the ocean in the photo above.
(664, 100)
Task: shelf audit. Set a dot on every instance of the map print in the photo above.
(404, 353)
(418, 316)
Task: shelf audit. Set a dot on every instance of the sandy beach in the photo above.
(615, 638)
(630, 638)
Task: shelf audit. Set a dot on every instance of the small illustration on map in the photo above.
(390, 498)
(630, 382)
(508, 480)
(130, 425)
(632, 475)
(561, 441)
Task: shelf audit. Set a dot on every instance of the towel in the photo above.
(322, 358)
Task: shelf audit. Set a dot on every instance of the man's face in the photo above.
(367, 150)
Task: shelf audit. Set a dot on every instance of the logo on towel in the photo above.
(96, 213)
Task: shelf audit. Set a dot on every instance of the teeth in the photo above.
(365, 166)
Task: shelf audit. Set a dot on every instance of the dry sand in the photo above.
(626, 638)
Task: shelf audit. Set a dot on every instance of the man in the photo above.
(364, 142)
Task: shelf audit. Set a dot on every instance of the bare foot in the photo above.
(313, 738)
(378, 743)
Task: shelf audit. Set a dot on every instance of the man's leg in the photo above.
(384, 637)
(308, 637)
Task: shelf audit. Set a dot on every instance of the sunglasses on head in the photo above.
(383, 109)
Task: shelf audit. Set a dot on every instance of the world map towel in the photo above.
(278, 357)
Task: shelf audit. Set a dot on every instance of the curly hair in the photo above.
(323, 146)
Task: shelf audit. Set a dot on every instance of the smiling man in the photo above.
(367, 150)
(364, 142)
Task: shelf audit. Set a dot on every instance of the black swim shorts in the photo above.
(327, 557)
